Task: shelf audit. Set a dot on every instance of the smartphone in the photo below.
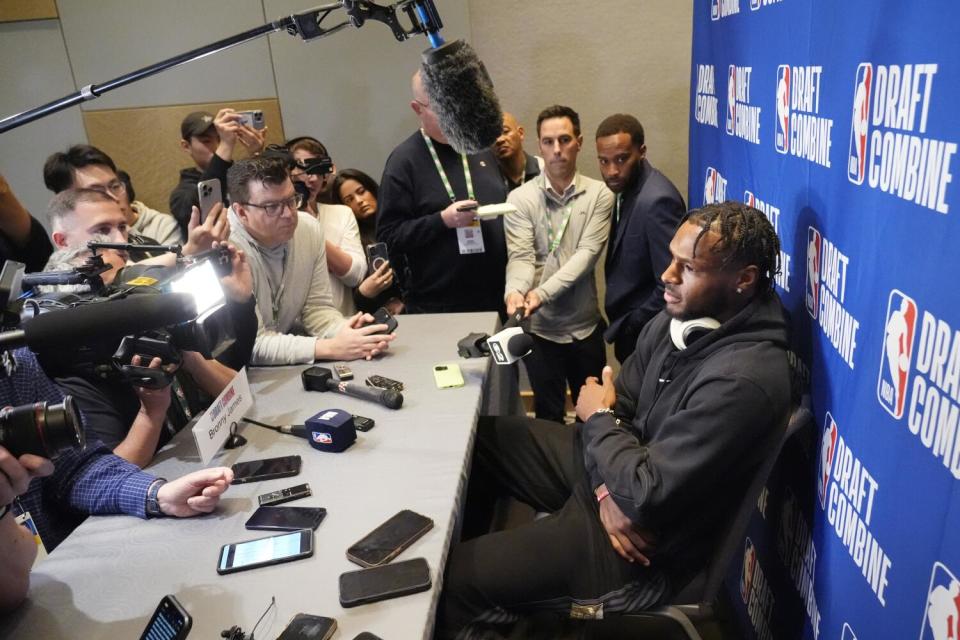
(286, 518)
(380, 583)
(382, 316)
(209, 194)
(170, 621)
(384, 383)
(363, 424)
(447, 376)
(385, 543)
(304, 626)
(377, 254)
(285, 495)
(252, 118)
(263, 552)
(266, 469)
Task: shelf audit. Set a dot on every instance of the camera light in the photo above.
(202, 283)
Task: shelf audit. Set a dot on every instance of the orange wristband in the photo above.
(605, 494)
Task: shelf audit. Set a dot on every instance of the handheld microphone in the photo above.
(509, 345)
(100, 321)
(461, 94)
(321, 379)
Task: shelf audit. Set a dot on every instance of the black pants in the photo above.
(553, 564)
(552, 366)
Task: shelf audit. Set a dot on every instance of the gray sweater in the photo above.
(303, 296)
(563, 278)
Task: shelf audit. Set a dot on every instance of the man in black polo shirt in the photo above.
(646, 213)
(426, 195)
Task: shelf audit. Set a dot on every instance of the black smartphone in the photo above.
(170, 621)
(382, 316)
(384, 383)
(266, 469)
(381, 583)
(285, 495)
(286, 518)
(377, 254)
(304, 626)
(363, 424)
(385, 543)
(263, 552)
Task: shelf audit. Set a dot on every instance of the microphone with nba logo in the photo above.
(331, 430)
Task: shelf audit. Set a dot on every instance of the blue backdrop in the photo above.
(840, 121)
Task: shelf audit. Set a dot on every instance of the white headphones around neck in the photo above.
(683, 333)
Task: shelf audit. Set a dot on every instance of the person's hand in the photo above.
(16, 473)
(201, 237)
(227, 123)
(532, 302)
(195, 493)
(454, 218)
(252, 139)
(624, 537)
(395, 306)
(238, 286)
(514, 300)
(153, 402)
(594, 396)
(378, 281)
(360, 339)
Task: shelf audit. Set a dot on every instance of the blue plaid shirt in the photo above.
(92, 481)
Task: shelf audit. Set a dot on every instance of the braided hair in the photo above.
(746, 238)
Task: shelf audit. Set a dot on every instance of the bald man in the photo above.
(427, 206)
(516, 165)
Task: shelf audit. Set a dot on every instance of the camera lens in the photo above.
(42, 429)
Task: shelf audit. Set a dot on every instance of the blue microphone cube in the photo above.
(331, 430)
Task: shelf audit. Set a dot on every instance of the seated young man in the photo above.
(133, 421)
(297, 320)
(633, 491)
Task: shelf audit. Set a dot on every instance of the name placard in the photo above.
(213, 427)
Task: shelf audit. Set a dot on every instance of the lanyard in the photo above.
(553, 240)
(617, 209)
(276, 293)
(443, 174)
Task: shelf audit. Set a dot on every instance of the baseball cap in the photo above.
(196, 124)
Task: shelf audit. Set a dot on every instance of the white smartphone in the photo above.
(209, 194)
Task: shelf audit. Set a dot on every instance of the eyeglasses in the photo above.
(115, 188)
(274, 209)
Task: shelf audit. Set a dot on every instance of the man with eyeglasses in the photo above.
(287, 255)
(85, 167)
(427, 210)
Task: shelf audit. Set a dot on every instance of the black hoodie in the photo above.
(696, 424)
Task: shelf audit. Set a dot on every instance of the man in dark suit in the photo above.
(646, 214)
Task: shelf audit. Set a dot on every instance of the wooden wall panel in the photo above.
(145, 142)
(17, 10)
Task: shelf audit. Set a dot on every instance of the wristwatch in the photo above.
(153, 505)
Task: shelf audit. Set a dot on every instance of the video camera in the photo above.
(41, 429)
(148, 311)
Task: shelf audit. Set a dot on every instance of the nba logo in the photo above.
(848, 633)
(828, 447)
(941, 619)
(857, 157)
(754, 5)
(814, 248)
(749, 199)
(896, 353)
(749, 566)
(731, 98)
(782, 137)
(322, 438)
(714, 9)
(710, 186)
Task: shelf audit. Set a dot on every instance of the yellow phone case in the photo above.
(447, 376)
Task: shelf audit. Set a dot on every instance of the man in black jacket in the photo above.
(646, 214)
(639, 493)
(210, 142)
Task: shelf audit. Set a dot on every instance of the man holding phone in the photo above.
(58, 495)
(210, 142)
(286, 249)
